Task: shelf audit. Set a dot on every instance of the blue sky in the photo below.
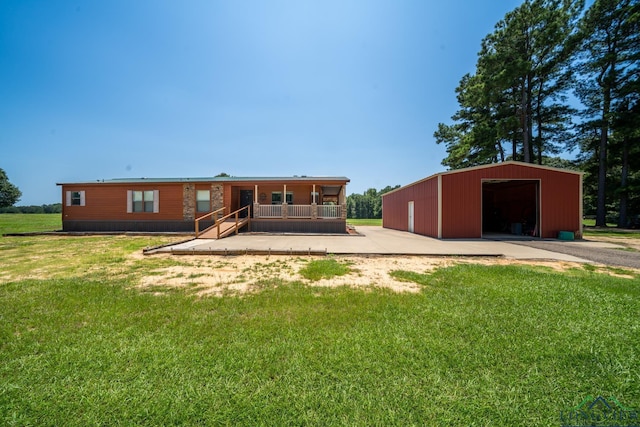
(116, 89)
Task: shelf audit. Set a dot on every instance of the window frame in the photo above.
(143, 201)
(207, 201)
(276, 193)
(71, 200)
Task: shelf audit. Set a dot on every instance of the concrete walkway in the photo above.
(372, 240)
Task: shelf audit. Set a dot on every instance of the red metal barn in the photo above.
(506, 198)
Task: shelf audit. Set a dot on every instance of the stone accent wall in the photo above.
(217, 196)
(342, 201)
(189, 201)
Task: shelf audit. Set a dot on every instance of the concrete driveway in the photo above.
(371, 240)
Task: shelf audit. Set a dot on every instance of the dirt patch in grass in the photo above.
(220, 275)
(119, 258)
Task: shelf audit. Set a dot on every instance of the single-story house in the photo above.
(505, 198)
(278, 204)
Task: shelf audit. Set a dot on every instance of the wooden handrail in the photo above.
(214, 213)
(236, 213)
(223, 219)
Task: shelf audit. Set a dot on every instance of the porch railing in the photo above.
(299, 211)
(270, 211)
(329, 211)
(214, 215)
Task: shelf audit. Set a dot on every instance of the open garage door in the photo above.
(510, 208)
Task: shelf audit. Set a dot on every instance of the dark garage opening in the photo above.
(510, 207)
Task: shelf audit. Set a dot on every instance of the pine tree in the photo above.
(608, 44)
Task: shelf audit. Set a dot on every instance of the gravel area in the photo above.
(609, 256)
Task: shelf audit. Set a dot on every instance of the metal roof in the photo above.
(302, 178)
(487, 166)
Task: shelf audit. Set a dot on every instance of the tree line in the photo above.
(367, 204)
(521, 103)
(33, 209)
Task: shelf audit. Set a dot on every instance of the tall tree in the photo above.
(473, 139)
(607, 60)
(9, 193)
(519, 86)
(368, 204)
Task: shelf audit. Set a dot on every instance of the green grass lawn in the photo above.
(363, 221)
(587, 222)
(479, 345)
(24, 223)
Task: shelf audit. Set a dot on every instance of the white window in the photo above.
(276, 197)
(75, 198)
(203, 200)
(143, 201)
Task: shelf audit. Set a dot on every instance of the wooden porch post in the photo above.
(256, 205)
(314, 204)
(285, 214)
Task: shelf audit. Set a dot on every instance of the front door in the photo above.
(246, 199)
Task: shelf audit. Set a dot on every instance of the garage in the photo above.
(510, 207)
(508, 199)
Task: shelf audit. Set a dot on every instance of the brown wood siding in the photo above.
(227, 198)
(424, 194)
(106, 202)
(109, 202)
(301, 193)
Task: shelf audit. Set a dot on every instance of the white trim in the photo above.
(129, 201)
(411, 219)
(156, 201)
(539, 205)
(580, 209)
(69, 198)
(439, 207)
(538, 200)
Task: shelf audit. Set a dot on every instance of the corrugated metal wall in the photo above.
(560, 204)
(424, 194)
(462, 199)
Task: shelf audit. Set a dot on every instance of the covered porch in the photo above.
(293, 206)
